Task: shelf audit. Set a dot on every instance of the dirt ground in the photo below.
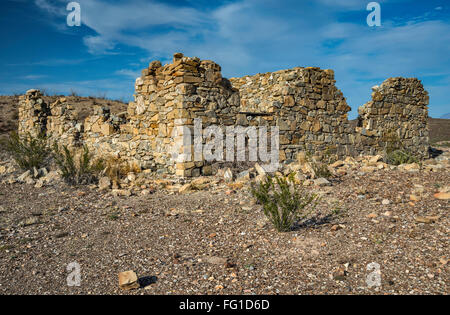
(217, 241)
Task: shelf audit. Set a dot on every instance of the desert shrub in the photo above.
(83, 170)
(398, 157)
(117, 169)
(283, 202)
(394, 152)
(28, 151)
(320, 166)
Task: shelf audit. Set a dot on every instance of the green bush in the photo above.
(398, 157)
(28, 151)
(82, 171)
(283, 203)
(394, 152)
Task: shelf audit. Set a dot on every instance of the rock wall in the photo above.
(397, 113)
(33, 113)
(304, 103)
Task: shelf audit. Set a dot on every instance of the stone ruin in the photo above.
(304, 103)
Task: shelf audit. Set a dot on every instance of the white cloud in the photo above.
(253, 36)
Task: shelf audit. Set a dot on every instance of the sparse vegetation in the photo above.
(283, 202)
(398, 157)
(395, 153)
(28, 151)
(77, 171)
(320, 166)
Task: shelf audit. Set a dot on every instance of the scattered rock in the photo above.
(385, 202)
(339, 274)
(336, 227)
(442, 196)
(122, 192)
(427, 219)
(260, 169)
(104, 183)
(321, 182)
(185, 188)
(128, 280)
(24, 176)
(215, 260)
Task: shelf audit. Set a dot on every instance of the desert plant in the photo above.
(320, 167)
(398, 157)
(283, 202)
(28, 151)
(77, 171)
(117, 169)
(394, 152)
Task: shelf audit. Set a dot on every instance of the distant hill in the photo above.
(446, 116)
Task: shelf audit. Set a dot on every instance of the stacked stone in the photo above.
(168, 99)
(304, 103)
(310, 112)
(62, 125)
(33, 113)
(398, 106)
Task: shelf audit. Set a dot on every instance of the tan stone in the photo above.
(128, 280)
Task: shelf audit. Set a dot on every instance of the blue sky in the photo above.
(117, 39)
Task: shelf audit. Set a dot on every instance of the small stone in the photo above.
(24, 176)
(442, 196)
(339, 274)
(30, 221)
(128, 280)
(185, 188)
(414, 198)
(104, 183)
(386, 202)
(215, 260)
(321, 182)
(39, 183)
(372, 216)
(122, 192)
(427, 220)
(260, 169)
(336, 227)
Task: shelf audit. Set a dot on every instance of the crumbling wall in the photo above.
(33, 113)
(304, 103)
(310, 112)
(397, 113)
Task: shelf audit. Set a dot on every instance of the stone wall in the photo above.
(304, 103)
(33, 113)
(397, 112)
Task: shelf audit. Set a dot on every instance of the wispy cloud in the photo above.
(251, 36)
(34, 76)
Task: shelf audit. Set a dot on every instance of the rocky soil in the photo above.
(210, 237)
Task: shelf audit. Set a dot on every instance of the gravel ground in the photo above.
(217, 241)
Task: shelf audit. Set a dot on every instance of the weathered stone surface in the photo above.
(304, 103)
(128, 280)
